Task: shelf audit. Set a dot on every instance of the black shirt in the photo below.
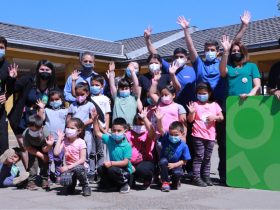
(274, 76)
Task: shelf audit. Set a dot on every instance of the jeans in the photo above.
(176, 173)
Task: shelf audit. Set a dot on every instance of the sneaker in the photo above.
(145, 185)
(125, 189)
(165, 187)
(31, 185)
(199, 182)
(86, 191)
(45, 184)
(91, 179)
(176, 185)
(208, 181)
(21, 178)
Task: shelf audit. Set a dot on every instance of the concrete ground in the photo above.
(187, 197)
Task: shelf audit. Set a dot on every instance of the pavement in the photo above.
(187, 197)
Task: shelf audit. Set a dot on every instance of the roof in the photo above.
(259, 34)
(33, 37)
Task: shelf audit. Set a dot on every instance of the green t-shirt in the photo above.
(240, 80)
(118, 151)
(125, 108)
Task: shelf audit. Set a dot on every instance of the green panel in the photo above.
(253, 142)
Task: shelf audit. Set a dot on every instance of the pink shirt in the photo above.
(171, 114)
(142, 146)
(201, 128)
(72, 150)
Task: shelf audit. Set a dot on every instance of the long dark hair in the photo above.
(52, 81)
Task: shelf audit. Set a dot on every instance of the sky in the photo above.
(119, 19)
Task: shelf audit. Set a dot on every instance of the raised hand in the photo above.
(13, 70)
(191, 107)
(158, 114)
(75, 75)
(112, 66)
(50, 140)
(143, 113)
(246, 17)
(131, 67)
(173, 68)
(226, 43)
(40, 104)
(148, 32)
(183, 22)
(60, 135)
(3, 98)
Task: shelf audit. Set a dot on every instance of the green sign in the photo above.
(253, 142)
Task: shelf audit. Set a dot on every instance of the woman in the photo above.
(29, 89)
(243, 77)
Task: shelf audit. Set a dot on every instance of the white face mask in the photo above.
(35, 133)
(181, 62)
(139, 129)
(70, 132)
(154, 67)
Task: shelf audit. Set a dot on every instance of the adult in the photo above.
(30, 88)
(184, 74)
(243, 77)
(8, 74)
(87, 62)
(274, 79)
(208, 71)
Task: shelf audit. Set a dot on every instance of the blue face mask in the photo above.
(174, 139)
(118, 137)
(2, 53)
(202, 98)
(56, 104)
(128, 72)
(95, 90)
(88, 65)
(210, 56)
(124, 93)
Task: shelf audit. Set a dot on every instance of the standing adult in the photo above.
(8, 74)
(30, 88)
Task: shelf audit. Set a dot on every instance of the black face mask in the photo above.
(45, 75)
(237, 57)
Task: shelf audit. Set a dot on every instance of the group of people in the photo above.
(119, 132)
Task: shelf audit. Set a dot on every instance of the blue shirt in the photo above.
(186, 77)
(68, 86)
(7, 174)
(174, 152)
(209, 72)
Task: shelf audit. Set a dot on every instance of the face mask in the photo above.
(166, 100)
(81, 99)
(210, 56)
(55, 104)
(70, 132)
(181, 62)
(154, 67)
(124, 93)
(88, 66)
(95, 90)
(202, 98)
(174, 139)
(128, 72)
(138, 128)
(35, 133)
(2, 53)
(236, 57)
(45, 75)
(118, 137)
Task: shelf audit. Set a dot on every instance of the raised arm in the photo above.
(147, 36)
(111, 76)
(159, 117)
(245, 19)
(153, 89)
(185, 25)
(148, 124)
(41, 110)
(191, 114)
(134, 79)
(226, 43)
(75, 76)
(96, 128)
(58, 146)
(172, 72)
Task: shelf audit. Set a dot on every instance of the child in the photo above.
(75, 151)
(97, 85)
(174, 153)
(81, 109)
(10, 176)
(37, 142)
(116, 172)
(126, 103)
(141, 136)
(203, 113)
(55, 118)
(172, 111)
